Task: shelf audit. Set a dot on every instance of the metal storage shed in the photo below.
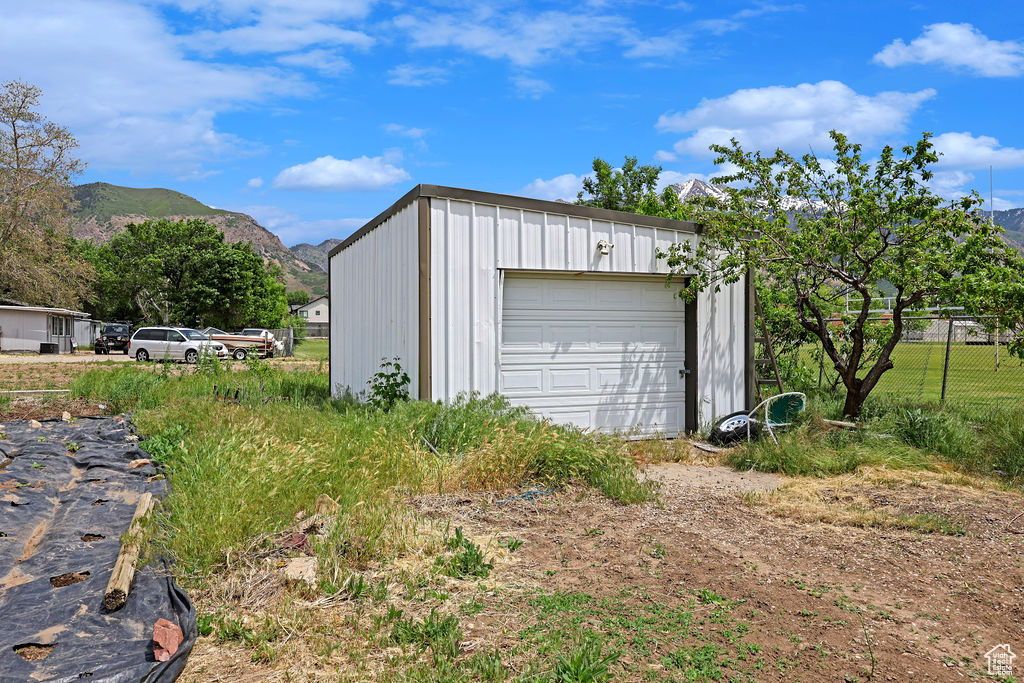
(562, 308)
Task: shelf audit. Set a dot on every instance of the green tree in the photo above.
(631, 188)
(38, 263)
(184, 272)
(825, 229)
(297, 297)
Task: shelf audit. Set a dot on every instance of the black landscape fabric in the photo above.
(67, 495)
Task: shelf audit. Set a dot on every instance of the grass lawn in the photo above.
(973, 378)
(312, 349)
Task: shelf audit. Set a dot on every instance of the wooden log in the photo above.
(120, 582)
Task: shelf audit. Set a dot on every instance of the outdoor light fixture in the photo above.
(604, 247)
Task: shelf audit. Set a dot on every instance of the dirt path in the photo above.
(814, 601)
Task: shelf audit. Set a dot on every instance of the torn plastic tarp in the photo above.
(67, 494)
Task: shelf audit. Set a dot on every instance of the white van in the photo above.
(173, 343)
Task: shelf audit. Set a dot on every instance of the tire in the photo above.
(98, 352)
(191, 356)
(126, 350)
(239, 354)
(732, 429)
(142, 355)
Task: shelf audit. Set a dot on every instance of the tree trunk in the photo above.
(854, 403)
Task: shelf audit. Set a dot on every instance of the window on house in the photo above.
(319, 312)
(304, 314)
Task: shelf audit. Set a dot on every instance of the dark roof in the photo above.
(530, 204)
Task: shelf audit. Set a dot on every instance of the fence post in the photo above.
(945, 366)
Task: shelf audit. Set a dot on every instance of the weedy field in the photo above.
(470, 542)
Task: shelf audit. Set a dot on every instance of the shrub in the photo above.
(390, 385)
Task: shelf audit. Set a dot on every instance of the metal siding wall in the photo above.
(374, 310)
(470, 242)
(721, 362)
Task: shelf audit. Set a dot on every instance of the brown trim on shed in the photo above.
(691, 363)
(513, 201)
(423, 235)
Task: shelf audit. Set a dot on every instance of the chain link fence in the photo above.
(940, 359)
(285, 335)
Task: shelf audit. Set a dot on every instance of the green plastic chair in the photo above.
(779, 412)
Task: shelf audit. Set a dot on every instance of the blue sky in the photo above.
(314, 115)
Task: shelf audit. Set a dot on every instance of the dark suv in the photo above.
(114, 337)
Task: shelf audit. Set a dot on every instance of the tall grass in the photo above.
(896, 433)
(241, 470)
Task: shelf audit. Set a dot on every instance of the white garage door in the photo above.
(599, 352)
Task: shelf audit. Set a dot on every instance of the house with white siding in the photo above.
(562, 308)
(317, 310)
(36, 329)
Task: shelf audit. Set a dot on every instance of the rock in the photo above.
(132, 438)
(166, 639)
(136, 464)
(35, 424)
(325, 505)
(66, 416)
(302, 569)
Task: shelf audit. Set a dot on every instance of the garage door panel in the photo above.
(520, 335)
(520, 381)
(598, 352)
(569, 379)
(639, 379)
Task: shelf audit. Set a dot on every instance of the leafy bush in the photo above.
(390, 385)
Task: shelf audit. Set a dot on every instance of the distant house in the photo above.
(316, 311)
(34, 329)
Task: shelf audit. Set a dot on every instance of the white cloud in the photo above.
(957, 46)
(668, 46)
(417, 76)
(965, 151)
(114, 75)
(950, 183)
(531, 88)
(328, 174)
(294, 10)
(565, 186)
(522, 38)
(791, 117)
(254, 183)
(405, 131)
(250, 26)
(292, 229)
(327, 62)
(265, 37)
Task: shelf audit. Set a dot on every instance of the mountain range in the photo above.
(1012, 220)
(104, 210)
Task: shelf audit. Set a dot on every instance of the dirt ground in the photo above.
(732, 576)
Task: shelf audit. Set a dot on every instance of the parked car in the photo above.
(113, 337)
(241, 345)
(173, 343)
